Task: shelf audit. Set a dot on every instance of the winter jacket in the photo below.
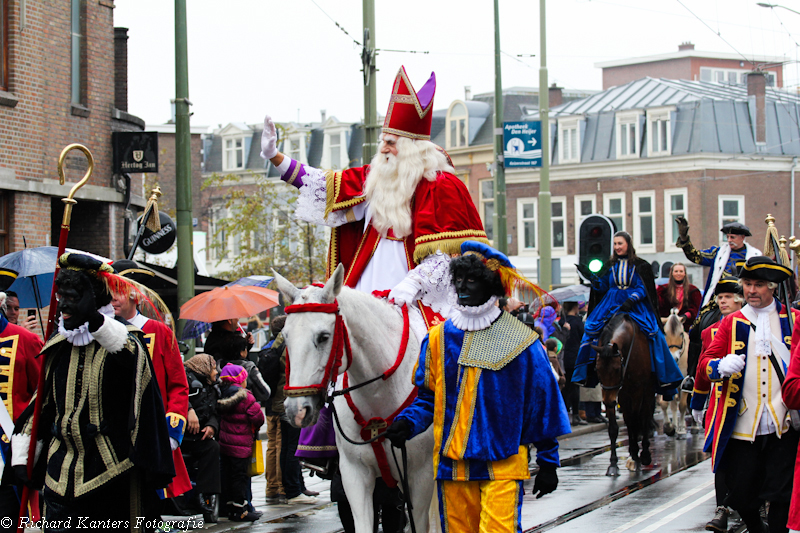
(203, 399)
(241, 416)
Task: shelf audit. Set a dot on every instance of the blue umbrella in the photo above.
(35, 268)
(195, 328)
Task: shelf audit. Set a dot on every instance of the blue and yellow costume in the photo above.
(621, 282)
(488, 393)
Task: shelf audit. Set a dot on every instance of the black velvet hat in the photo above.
(737, 228)
(763, 268)
(728, 284)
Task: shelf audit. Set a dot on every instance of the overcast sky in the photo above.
(288, 58)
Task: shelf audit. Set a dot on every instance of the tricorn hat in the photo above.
(728, 284)
(410, 112)
(7, 278)
(763, 268)
(736, 228)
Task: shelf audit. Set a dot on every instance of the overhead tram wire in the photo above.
(718, 34)
(337, 24)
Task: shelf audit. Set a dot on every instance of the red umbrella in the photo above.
(234, 301)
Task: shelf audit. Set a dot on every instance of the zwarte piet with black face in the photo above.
(474, 282)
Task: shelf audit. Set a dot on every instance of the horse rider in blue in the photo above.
(626, 286)
(722, 260)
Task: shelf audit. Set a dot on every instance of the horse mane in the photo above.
(610, 328)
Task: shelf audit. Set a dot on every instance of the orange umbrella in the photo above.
(234, 301)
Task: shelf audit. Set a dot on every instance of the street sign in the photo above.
(522, 143)
(135, 151)
(163, 239)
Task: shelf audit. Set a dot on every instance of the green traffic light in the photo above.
(595, 266)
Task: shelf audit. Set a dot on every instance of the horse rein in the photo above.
(624, 366)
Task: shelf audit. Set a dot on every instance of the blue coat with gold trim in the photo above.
(731, 337)
(487, 393)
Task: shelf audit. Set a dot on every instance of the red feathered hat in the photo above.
(409, 113)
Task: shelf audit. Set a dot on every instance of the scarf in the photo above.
(202, 364)
(720, 261)
(81, 336)
(467, 318)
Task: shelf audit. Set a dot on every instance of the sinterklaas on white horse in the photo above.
(332, 330)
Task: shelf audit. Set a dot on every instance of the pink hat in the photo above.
(233, 374)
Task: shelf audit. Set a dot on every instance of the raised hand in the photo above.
(683, 227)
(269, 139)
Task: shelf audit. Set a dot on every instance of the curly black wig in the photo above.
(471, 266)
(81, 281)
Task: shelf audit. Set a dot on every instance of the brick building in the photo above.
(695, 65)
(63, 80)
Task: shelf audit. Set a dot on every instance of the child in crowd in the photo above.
(552, 354)
(236, 353)
(241, 417)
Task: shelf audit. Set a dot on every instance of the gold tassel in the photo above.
(772, 232)
(784, 254)
(153, 222)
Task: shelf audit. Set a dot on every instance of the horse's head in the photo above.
(309, 335)
(674, 333)
(609, 365)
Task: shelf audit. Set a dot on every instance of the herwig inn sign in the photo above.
(135, 151)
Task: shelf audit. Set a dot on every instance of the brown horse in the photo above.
(623, 367)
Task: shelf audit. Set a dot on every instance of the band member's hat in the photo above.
(736, 228)
(7, 277)
(133, 270)
(763, 268)
(410, 112)
(728, 284)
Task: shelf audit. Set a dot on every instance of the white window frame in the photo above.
(625, 121)
(559, 250)
(335, 165)
(521, 220)
(637, 223)
(226, 151)
(729, 197)
(577, 199)
(482, 204)
(462, 122)
(669, 241)
(565, 126)
(607, 197)
(658, 116)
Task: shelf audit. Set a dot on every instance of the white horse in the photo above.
(678, 341)
(375, 329)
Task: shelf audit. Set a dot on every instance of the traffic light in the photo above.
(595, 238)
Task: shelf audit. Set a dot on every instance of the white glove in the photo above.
(730, 365)
(174, 444)
(19, 449)
(405, 292)
(697, 414)
(269, 139)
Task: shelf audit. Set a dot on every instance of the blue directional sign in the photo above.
(522, 142)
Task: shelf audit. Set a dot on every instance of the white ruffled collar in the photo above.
(81, 335)
(468, 318)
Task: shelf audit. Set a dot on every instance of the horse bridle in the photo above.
(624, 366)
(683, 343)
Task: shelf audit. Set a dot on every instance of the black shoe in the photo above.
(308, 492)
(720, 520)
(244, 516)
(596, 420)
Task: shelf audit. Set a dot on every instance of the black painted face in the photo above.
(75, 304)
(471, 291)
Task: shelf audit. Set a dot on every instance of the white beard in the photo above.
(392, 181)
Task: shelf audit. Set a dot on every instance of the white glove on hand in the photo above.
(730, 365)
(405, 292)
(19, 449)
(269, 139)
(697, 414)
(174, 444)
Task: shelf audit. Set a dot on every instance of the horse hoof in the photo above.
(669, 432)
(645, 458)
(682, 436)
(695, 431)
(631, 464)
(613, 470)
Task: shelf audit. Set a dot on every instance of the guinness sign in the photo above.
(162, 240)
(135, 151)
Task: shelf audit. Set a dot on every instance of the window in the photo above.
(3, 45)
(731, 76)
(644, 212)
(526, 223)
(627, 135)
(659, 133)
(76, 52)
(336, 151)
(457, 133)
(731, 209)
(569, 138)
(614, 208)
(675, 205)
(294, 149)
(558, 217)
(234, 154)
(584, 206)
(487, 207)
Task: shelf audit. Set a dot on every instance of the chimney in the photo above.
(324, 113)
(121, 69)
(685, 46)
(467, 92)
(757, 100)
(555, 97)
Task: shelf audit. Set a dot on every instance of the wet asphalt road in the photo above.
(675, 493)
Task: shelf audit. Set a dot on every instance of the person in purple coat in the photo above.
(241, 416)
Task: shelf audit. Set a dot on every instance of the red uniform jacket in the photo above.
(442, 212)
(791, 397)
(19, 366)
(702, 385)
(171, 377)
